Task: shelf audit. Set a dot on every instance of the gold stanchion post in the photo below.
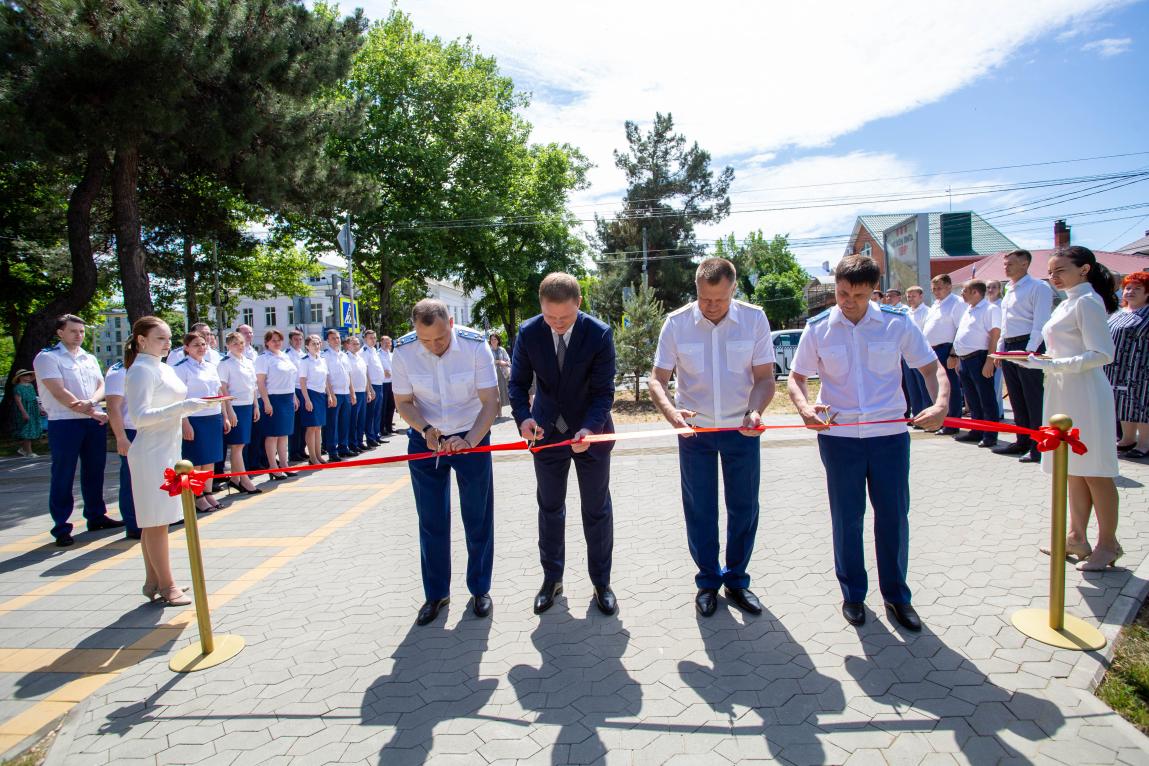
(212, 650)
(1054, 626)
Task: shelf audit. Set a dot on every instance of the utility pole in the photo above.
(645, 259)
(215, 292)
(351, 267)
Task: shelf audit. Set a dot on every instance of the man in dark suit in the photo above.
(570, 357)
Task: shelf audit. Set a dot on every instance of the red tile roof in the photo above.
(991, 266)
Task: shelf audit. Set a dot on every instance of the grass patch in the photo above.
(1125, 687)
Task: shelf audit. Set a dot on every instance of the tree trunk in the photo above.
(386, 284)
(126, 225)
(190, 303)
(40, 328)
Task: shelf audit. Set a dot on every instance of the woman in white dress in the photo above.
(1078, 341)
(157, 402)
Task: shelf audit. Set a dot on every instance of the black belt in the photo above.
(1017, 339)
(970, 356)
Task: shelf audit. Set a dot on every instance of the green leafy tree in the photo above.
(636, 336)
(768, 274)
(670, 189)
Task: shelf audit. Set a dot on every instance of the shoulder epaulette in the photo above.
(53, 347)
(116, 366)
(468, 334)
(177, 364)
(819, 318)
(893, 310)
(410, 337)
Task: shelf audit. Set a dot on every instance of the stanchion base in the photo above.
(190, 658)
(1077, 633)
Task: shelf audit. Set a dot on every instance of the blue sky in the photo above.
(822, 96)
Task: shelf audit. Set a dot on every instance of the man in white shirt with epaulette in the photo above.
(721, 353)
(915, 384)
(1025, 309)
(940, 328)
(77, 428)
(446, 389)
(855, 348)
(295, 352)
(337, 431)
(376, 377)
(976, 338)
(387, 416)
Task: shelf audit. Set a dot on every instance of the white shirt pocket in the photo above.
(459, 387)
(423, 386)
(738, 355)
(882, 357)
(835, 360)
(690, 357)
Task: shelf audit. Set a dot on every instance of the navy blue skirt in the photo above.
(207, 446)
(240, 433)
(318, 415)
(282, 420)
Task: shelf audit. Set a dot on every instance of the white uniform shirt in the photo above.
(178, 354)
(976, 324)
(446, 388)
(202, 380)
(338, 370)
(250, 353)
(385, 359)
(79, 374)
(296, 357)
(358, 371)
(238, 374)
(375, 373)
(175, 356)
(1025, 309)
(114, 386)
(860, 366)
(282, 377)
(314, 370)
(919, 314)
(942, 320)
(713, 361)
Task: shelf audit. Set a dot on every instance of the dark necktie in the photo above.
(561, 423)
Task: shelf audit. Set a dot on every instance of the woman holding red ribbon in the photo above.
(157, 402)
(1129, 372)
(1079, 346)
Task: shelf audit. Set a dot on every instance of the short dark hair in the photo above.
(295, 333)
(64, 319)
(977, 285)
(559, 287)
(200, 327)
(858, 269)
(714, 270)
(428, 311)
(893, 290)
(272, 333)
(329, 332)
(942, 279)
(1028, 256)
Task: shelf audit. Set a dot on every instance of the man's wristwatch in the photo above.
(750, 412)
(427, 428)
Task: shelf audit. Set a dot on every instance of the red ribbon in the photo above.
(175, 483)
(1048, 438)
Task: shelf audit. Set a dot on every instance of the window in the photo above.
(248, 316)
(269, 316)
(867, 250)
(316, 313)
(291, 314)
(119, 336)
(118, 320)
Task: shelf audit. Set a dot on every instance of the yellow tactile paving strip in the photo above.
(100, 666)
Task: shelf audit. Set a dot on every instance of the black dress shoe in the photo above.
(706, 602)
(482, 605)
(948, 431)
(1029, 458)
(986, 444)
(744, 599)
(967, 437)
(346, 453)
(547, 594)
(905, 616)
(63, 541)
(605, 600)
(430, 610)
(1011, 449)
(854, 612)
(104, 522)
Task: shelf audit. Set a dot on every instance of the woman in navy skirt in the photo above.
(276, 377)
(203, 430)
(317, 397)
(237, 376)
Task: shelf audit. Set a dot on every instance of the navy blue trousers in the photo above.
(127, 504)
(335, 436)
(698, 474)
(980, 393)
(879, 465)
(956, 402)
(552, 467)
(82, 441)
(432, 486)
(916, 386)
(387, 416)
(359, 420)
(375, 412)
(254, 454)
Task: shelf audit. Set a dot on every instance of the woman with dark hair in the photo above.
(1129, 372)
(276, 377)
(1079, 346)
(157, 404)
(204, 429)
(317, 397)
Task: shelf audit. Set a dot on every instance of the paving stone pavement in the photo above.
(322, 580)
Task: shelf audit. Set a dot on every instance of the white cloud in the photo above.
(1109, 46)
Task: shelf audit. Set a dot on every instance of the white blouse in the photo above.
(238, 374)
(314, 371)
(202, 380)
(280, 372)
(358, 372)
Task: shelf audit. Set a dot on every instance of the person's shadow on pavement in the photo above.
(758, 665)
(435, 679)
(921, 672)
(581, 684)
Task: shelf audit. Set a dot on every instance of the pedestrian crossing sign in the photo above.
(349, 315)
